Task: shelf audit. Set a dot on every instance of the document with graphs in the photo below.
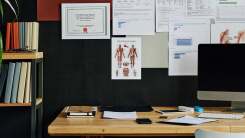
(184, 37)
(133, 17)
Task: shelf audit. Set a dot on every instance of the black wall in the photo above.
(77, 72)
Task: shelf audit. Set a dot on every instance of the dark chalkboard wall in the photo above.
(77, 72)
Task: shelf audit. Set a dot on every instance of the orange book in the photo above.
(8, 31)
(16, 44)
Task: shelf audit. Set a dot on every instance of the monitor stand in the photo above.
(238, 107)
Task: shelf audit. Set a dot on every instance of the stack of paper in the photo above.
(120, 115)
(188, 120)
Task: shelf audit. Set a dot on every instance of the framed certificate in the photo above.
(85, 20)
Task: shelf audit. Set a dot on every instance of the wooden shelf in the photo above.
(14, 104)
(22, 55)
(39, 101)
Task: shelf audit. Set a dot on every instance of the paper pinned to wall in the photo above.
(166, 9)
(126, 58)
(184, 37)
(201, 8)
(230, 10)
(228, 32)
(133, 17)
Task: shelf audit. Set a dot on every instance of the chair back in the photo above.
(210, 134)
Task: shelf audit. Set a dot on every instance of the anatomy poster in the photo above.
(126, 58)
(226, 32)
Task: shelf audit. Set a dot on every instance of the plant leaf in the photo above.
(12, 8)
(18, 9)
(1, 9)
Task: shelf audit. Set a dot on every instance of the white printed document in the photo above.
(200, 8)
(184, 37)
(230, 10)
(133, 17)
(166, 9)
(189, 120)
(120, 115)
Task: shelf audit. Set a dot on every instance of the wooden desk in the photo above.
(62, 126)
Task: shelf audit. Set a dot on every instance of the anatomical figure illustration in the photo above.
(226, 37)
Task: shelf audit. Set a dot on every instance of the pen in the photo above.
(159, 112)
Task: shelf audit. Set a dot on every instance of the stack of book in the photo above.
(15, 79)
(80, 111)
(22, 36)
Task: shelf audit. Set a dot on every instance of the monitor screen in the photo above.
(221, 67)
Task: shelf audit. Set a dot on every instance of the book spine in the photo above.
(9, 82)
(27, 85)
(4, 72)
(8, 37)
(16, 35)
(16, 82)
(21, 90)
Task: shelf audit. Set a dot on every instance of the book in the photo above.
(16, 35)
(27, 84)
(80, 111)
(3, 76)
(9, 84)
(8, 37)
(29, 46)
(21, 90)
(35, 32)
(20, 34)
(16, 82)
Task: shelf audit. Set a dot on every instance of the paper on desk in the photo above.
(190, 120)
(120, 115)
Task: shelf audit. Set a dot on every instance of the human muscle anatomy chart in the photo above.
(126, 58)
(225, 33)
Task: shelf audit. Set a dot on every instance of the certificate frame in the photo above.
(85, 20)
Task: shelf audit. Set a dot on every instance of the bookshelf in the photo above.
(36, 104)
(23, 55)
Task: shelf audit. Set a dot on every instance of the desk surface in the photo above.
(63, 126)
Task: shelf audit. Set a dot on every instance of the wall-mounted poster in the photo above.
(86, 21)
(126, 58)
(133, 17)
(228, 32)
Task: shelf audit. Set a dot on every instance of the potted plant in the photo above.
(8, 2)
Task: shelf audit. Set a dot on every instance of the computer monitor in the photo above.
(221, 72)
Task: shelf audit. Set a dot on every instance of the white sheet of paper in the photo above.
(133, 17)
(85, 20)
(201, 8)
(228, 32)
(190, 120)
(126, 58)
(230, 9)
(182, 62)
(120, 115)
(166, 9)
(184, 37)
